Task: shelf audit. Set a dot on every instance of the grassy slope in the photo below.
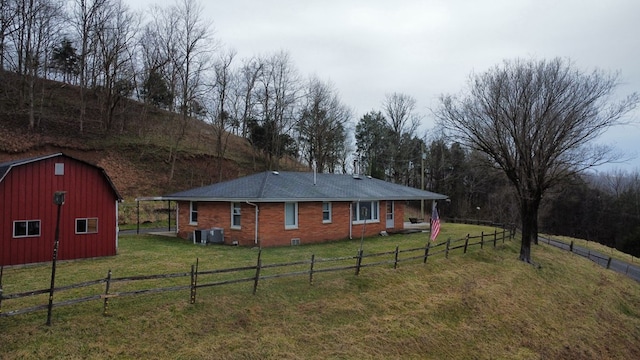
(484, 304)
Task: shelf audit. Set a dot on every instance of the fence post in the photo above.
(313, 257)
(358, 262)
(194, 281)
(446, 252)
(609, 262)
(466, 243)
(138, 217)
(571, 246)
(495, 237)
(105, 307)
(426, 251)
(258, 266)
(482, 240)
(395, 263)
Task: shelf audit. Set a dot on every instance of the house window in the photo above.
(290, 215)
(235, 215)
(87, 226)
(365, 211)
(58, 169)
(26, 228)
(326, 212)
(193, 213)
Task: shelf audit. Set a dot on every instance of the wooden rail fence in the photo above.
(255, 273)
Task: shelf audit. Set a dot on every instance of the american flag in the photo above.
(435, 224)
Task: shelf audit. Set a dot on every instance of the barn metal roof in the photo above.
(7, 166)
(274, 186)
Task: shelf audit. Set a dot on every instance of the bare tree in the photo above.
(537, 121)
(277, 99)
(8, 17)
(115, 32)
(322, 126)
(194, 45)
(36, 27)
(400, 114)
(85, 17)
(222, 107)
(250, 73)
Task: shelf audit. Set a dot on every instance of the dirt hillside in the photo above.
(135, 148)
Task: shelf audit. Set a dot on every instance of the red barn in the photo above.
(88, 217)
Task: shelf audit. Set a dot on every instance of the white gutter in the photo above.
(255, 240)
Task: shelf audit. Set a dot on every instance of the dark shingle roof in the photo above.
(299, 186)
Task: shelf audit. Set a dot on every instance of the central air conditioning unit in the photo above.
(215, 236)
(200, 237)
(208, 236)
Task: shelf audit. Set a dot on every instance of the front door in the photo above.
(390, 224)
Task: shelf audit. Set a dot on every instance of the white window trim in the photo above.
(191, 213)
(87, 226)
(295, 220)
(13, 230)
(369, 221)
(330, 213)
(234, 226)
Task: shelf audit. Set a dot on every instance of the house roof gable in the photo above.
(303, 186)
(6, 167)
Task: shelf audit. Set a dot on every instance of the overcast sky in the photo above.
(369, 48)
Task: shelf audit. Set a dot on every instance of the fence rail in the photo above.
(312, 266)
(608, 262)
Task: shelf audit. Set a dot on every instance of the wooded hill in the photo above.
(135, 147)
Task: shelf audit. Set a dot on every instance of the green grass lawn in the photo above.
(483, 304)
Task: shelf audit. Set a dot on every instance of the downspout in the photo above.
(255, 240)
(351, 221)
(177, 217)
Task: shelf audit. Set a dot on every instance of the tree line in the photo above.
(520, 133)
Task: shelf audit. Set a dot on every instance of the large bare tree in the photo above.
(277, 98)
(222, 105)
(537, 120)
(37, 24)
(183, 40)
(403, 121)
(85, 20)
(115, 31)
(322, 126)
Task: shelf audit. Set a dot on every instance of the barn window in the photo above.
(59, 169)
(326, 212)
(87, 226)
(365, 211)
(193, 210)
(26, 228)
(235, 215)
(291, 215)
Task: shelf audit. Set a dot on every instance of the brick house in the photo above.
(285, 208)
